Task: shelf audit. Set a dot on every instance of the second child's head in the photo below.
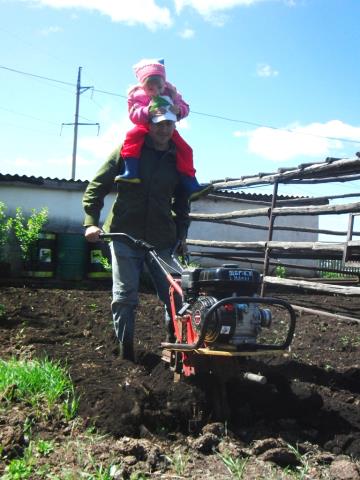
(154, 85)
(151, 75)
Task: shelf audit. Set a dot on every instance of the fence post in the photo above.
(270, 235)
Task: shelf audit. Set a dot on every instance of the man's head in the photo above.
(161, 132)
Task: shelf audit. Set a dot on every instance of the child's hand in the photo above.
(175, 109)
(172, 91)
(156, 111)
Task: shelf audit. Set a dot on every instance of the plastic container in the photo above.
(71, 256)
(42, 263)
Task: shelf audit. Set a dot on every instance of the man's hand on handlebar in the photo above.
(92, 233)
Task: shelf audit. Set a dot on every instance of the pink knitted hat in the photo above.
(147, 67)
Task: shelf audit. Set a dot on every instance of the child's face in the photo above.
(154, 86)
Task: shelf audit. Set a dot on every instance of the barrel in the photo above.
(42, 262)
(71, 256)
(98, 261)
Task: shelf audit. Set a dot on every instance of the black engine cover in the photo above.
(222, 281)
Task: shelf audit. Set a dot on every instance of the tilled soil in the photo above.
(311, 400)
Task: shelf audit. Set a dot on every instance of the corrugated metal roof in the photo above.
(37, 180)
(65, 184)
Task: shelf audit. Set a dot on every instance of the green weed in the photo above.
(178, 461)
(17, 469)
(280, 271)
(139, 476)
(44, 447)
(349, 342)
(100, 472)
(302, 470)
(235, 466)
(70, 406)
(36, 382)
(106, 264)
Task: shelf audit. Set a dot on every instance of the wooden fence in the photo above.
(272, 253)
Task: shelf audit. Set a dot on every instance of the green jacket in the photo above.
(154, 210)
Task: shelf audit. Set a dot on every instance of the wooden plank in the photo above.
(322, 313)
(299, 247)
(307, 246)
(314, 210)
(279, 228)
(280, 211)
(253, 212)
(335, 169)
(225, 244)
(320, 287)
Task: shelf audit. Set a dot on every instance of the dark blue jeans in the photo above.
(127, 265)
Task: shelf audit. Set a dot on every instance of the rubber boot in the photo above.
(131, 173)
(126, 351)
(193, 188)
(126, 346)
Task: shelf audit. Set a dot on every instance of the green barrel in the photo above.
(42, 263)
(98, 263)
(71, 256)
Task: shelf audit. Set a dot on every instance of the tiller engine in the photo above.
(216, 313)
(222, 315)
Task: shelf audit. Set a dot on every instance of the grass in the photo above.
(37, 382)
(235, 466)
(178, 461)
(350, 342)
(27, 466)
(302, 470)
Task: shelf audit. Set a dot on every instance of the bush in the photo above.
(5, 226)
(27, 231)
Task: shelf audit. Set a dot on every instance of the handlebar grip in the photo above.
(135, 241)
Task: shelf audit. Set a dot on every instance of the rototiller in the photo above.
(218, 317)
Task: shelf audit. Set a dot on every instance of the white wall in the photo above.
(64, 202)
(65, 206)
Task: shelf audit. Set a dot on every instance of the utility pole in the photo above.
(79, 91)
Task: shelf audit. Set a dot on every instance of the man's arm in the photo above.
(96, 191)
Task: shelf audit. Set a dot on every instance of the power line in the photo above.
(22, 127)
(275, 128)
(28, 116)
(218, 117)
(37, 76)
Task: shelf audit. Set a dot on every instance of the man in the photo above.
(155, 210)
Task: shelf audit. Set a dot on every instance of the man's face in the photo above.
(161, 133)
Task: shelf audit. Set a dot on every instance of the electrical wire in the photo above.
(28, 116)
(218, 117)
